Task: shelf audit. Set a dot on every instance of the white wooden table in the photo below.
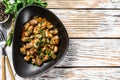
(94, 31)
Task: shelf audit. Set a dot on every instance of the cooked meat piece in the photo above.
(40, 41)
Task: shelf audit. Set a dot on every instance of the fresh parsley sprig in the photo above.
(13, 8)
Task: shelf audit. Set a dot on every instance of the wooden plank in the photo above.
(84, 52)
(83, 3)
(90, 23)
(88, 52)
(92, 52)
(79, 74)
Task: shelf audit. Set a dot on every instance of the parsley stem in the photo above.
(10, 35)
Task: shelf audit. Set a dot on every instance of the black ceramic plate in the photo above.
(23, 68)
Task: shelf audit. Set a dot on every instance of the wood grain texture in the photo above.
(90, 23)
(9, 68)
(83, 3)
(86, 59)
(79, 74)
(92, 52)
(3, 68)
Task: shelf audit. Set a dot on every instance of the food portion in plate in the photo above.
(40, 41)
